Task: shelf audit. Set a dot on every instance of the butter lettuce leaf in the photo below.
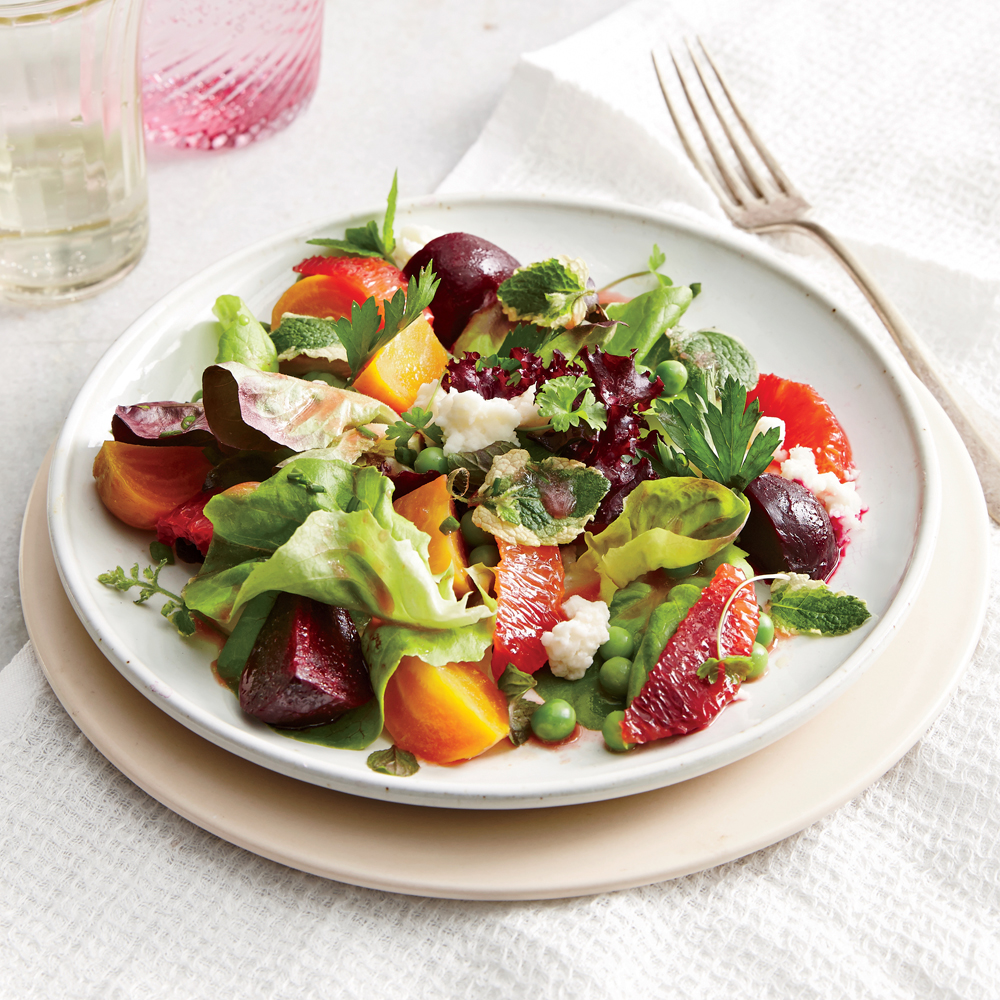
(644, 320)
(257, 410)
(243, 338)
(250, 525)
(664, 524)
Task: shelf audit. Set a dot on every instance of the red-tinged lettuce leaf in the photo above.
(264, 411)
(496, 381)
(613, 451)
(404, 480)
(162, 423)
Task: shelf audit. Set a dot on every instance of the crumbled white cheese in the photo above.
(840, 499)
(571, 644)
(410, 239)
(470, 422)
(763, 426)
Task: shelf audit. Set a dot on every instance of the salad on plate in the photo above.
(460, 500)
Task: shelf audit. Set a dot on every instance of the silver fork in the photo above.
(765, 201)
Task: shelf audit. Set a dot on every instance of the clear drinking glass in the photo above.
(222, 73)
(72, 164)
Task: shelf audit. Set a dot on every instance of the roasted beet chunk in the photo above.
(789, 530)
(470, 269)
(306, 666)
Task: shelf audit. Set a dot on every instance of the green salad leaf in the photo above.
(665, 523)
(548, 293)
(235, 653)
(367, 241)
(538, 503)
(585, 694)
(243, 338)
(711, 357)
(808, 607)
(643, 321)
(662, 624)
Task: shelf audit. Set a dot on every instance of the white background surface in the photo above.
(888, 117)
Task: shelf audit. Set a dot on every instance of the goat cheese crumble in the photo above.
(571, 644)
(410, 239)
(470, 422)
(840, 499)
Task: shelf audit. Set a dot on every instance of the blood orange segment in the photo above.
(529, 584)
(331, 284)
(809, 422)
(675, 700)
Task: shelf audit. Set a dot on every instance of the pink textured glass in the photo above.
(222, 73)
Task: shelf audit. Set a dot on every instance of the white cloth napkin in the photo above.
(886, 116)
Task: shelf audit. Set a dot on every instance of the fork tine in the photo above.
(757, 181)
(782, 180)
(726, 197)
(738, 191)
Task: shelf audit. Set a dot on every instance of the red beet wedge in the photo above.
(788, 530)
(470, 269)
(306, 666)
(674, 699)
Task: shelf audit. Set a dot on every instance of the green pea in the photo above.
(431, 460)
(765, 630)
(553, 721)
(758, 661)
(612, 732)
(614, 677)
(619, 644)
(472, 533)
(674, 376)
(405, 456)
(680, 572)
(488, 555)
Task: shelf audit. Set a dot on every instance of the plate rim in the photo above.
(653, 774)
(669, 833)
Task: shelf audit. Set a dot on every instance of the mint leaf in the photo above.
(514, 682)
(715, 439)
(557, 398)
(585, 694)
(399, 763)
(367, 241)
(710, 357)
(549, 293)
(159, 552)
(538, 503)
(805, 606)
(304, 333)
(521, 712)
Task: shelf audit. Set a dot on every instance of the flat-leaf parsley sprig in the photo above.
(367, 241)
(416, 420)
(365, 334)
(716, 439)
(557, 400)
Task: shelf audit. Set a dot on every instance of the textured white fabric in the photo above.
(888, 117)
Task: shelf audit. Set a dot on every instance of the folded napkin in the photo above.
(885, 116)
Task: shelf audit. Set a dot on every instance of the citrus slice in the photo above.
(809, 422)
(674, 699)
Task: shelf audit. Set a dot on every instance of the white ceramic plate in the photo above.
(791, 328)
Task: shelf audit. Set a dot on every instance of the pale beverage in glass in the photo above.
(72, 164)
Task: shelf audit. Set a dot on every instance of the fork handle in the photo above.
(977, 428)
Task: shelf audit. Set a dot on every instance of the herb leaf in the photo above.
(715, 439)
(174, 610)
(364, 334)
(367, 241)
(557, 398)
(514, 682)
(805, 606)
(736, 667)
(549, 293)
(400, 763)
(415, 420)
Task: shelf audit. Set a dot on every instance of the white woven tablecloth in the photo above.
(888, 118)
